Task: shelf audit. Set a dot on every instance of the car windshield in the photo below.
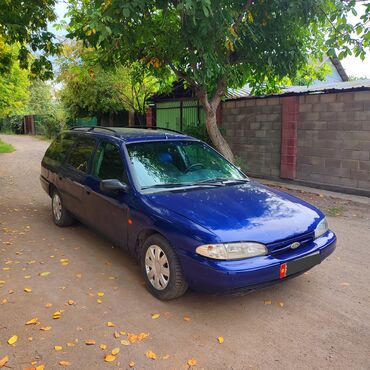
(180, 163)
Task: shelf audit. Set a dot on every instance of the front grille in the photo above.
(283, 245)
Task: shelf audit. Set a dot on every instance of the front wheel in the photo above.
(162, 270)
(61, 216)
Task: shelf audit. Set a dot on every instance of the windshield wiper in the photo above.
(222, 181)
(181, 184)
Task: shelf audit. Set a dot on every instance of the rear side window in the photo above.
(58, 149)
(81, 154)
(108, 163)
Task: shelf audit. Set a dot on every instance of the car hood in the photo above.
(246, 212)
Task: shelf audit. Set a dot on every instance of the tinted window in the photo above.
(81, 153)
(108, 163)
(57, 151)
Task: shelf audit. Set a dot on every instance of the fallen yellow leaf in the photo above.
(103, 346)
(110, 324)
(45, 328)
(99, 300)
(2, 281)
(12, 339)
(267, 302)
(116, 334)
(281, 304)
(192, 362)
(109, 358)
(70, 344)
(58, 348)
(27, 290)
(33, 321)
(115, 351)
(131, 364)
(186, 318)
(101, 294)
(155, 315)
(48, 305)
(90, 342)
(71, 302)
(3, 361)
(30, 339)
(220, 340)
(64, 363)
(151, 355)
(57, 314)
(4, 301)
(46, 273)
(40, 367)
(125, 342)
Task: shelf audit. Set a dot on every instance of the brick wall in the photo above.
(334, 139)
(253, 130)
(332, 143)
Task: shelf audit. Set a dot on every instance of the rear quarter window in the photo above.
(81, 154)
(58, 150)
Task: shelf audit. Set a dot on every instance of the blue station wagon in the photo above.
(190, 217)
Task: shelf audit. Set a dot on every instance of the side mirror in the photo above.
(112, 185)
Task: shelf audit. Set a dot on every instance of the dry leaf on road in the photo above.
(115, 351)
(109, 358)
(151, 355)
(3, 361)
(220, 340)
(155, 315)
(192, 362)
(12, 339)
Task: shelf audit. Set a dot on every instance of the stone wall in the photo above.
(328, 146)
(252, 128)
(334, 139)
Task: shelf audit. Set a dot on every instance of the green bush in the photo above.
(12, 125)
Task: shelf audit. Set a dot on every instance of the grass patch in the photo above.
(335, 211)
(5, 147)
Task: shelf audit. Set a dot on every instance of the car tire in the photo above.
(61, 216)
(158, 261)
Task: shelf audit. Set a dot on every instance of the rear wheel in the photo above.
(162, 270)
(61, 216)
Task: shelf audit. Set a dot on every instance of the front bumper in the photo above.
(219, 276)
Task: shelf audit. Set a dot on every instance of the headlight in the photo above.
(232, 251)
(321, 228)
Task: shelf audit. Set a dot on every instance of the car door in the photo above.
(72, 177)
(107, 211)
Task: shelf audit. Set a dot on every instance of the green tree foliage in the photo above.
(14, 94)
(211, 44)
(89, 89)
(41, 99)
(25, 22)
(49, 114)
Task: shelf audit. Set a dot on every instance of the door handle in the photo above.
(88, 190)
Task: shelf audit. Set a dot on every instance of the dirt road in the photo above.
(320, 320)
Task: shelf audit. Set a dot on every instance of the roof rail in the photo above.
(157, 128)
(92, 128)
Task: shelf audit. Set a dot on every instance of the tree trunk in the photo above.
(210, 109)
(131, 117)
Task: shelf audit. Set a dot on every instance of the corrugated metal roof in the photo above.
(244, 92)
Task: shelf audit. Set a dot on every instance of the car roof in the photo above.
(128, 134)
